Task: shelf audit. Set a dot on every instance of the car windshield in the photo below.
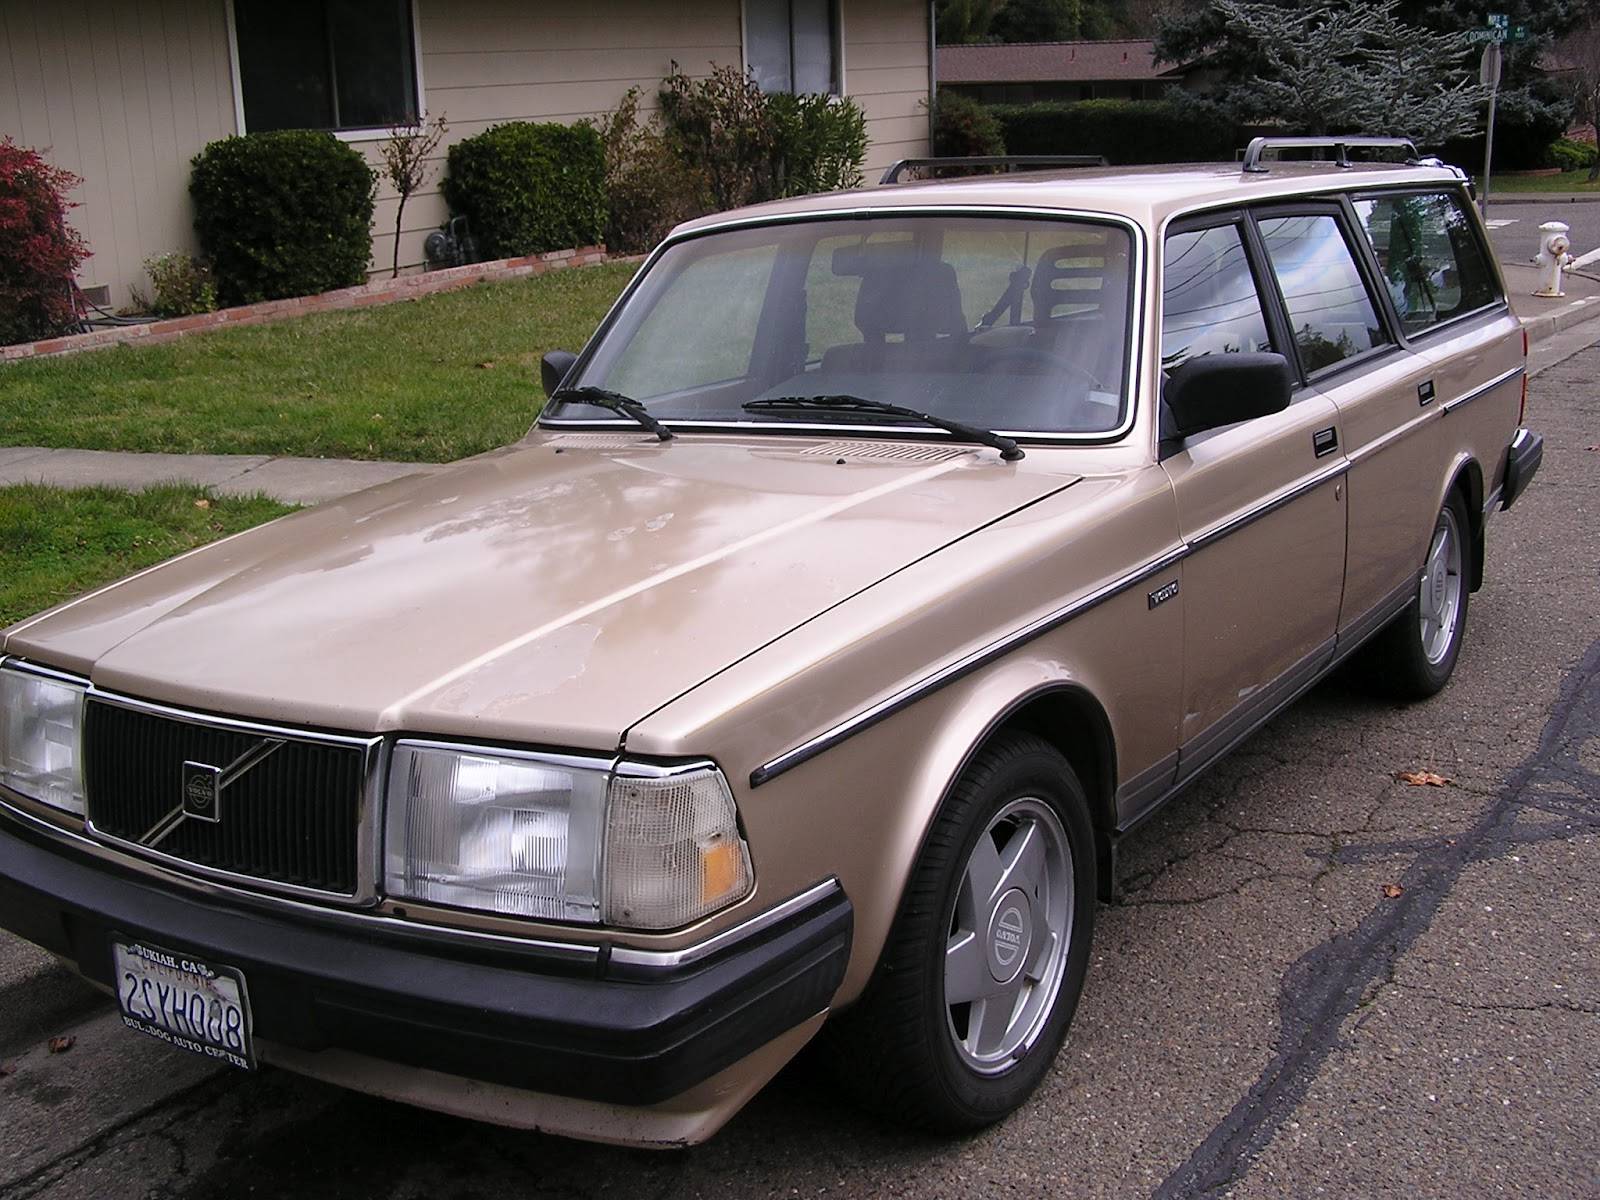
(1010, 324)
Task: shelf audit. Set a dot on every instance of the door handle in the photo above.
(1425, 392)
(1325, 441)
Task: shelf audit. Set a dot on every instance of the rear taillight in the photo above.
(1522, 413)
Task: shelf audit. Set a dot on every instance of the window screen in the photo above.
(1432, 263)
(1209, 302)
(789, 44)
(326, 64)
(1330, 310)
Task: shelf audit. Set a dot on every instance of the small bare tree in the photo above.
(1579, 51)
(406, 155)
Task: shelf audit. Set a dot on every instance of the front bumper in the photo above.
(612, 1029)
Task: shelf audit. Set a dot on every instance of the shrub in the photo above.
(526, 188)
(181, 286)
(1571, 155)
(964, 128)
(819, 143)
(39, 252)
(1125, 131)
(1524, 124)
(649, 186)
(281, 214)
(721, 125)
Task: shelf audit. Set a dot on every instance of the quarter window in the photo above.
(326, 64)
(789, 45)
(1330, 310)
(1432, 263)
(1209, 302)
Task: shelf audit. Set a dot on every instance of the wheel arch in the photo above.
(1466, 477)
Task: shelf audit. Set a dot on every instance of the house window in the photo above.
(790, 45)
(326, 64)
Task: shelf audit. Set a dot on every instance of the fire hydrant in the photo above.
(1555, 256)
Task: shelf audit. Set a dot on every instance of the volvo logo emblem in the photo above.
(1008, 936)
(200, 789)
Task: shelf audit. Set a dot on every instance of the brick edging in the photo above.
(364, 295)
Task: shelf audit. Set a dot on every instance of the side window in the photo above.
(1330, 311)
(1209, 302)
(1432, 264)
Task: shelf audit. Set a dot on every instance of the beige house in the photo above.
(125, 92)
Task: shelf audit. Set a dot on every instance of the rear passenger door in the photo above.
(1260, 503)
(1349, 352)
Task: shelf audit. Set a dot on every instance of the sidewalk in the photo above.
(316, 480)
(291, 480)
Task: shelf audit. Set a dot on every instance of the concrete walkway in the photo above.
(291, 480)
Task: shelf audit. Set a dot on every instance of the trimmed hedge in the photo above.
(1125, 131)
(281, 214)
(526, 188)
(1569, 155)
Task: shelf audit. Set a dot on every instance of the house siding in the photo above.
(125, 94)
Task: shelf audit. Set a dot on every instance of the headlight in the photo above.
(563, 839)
(40, 749)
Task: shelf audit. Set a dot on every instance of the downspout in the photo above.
(933, 67)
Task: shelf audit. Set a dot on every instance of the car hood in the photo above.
(555, 591)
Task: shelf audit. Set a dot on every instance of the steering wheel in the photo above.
(1048, 361)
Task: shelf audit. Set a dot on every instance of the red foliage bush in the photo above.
(39, 251)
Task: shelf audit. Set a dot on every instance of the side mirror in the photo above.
(553, 368)
(1218, 389)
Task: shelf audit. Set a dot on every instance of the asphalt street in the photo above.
(1319, 979)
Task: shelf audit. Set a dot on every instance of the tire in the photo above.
(948, 1067)
(1407, 661)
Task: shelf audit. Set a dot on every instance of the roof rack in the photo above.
(1341, 147)
(1010, 162)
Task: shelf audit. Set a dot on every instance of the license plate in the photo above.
(197, 1006)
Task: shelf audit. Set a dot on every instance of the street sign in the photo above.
(1499, 21)
(1483, 35)
(1519, 33)
(1489, 66)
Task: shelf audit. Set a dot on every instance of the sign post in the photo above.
(1489, 76)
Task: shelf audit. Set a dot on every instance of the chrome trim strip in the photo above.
(235, 724)
(948, 674)
(665, 960)
(1378, 445)
(1484, 388)
(982, 657)
(22, 666)
(1136, 307)
(1237, 522)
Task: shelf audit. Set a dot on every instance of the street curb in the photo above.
(1542, 197)
(1551, 323)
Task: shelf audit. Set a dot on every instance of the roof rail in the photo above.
(1341, 147)
(1010, 162)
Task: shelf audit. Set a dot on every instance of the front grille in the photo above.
(293, 818)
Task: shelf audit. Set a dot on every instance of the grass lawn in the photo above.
(1568, 183)
(430, 379)
(57, 542)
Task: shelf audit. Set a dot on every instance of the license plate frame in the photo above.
(185, 1000)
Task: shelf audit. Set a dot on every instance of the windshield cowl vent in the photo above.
(886, 452)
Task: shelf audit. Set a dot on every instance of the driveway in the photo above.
(1319, 979)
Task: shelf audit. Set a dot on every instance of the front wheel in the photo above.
(1414, 657)
(986, 961)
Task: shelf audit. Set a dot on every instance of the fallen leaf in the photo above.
(60, 1045)
(1422, 778)
(1592, 447)
(7, 1069)
(1393, 891)
(202, 503)
(486, 366)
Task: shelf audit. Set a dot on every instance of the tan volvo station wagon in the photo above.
(884, 559)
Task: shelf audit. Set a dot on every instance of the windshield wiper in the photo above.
(1009, 450)
(627, 406)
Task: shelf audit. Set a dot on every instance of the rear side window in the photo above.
(1432, 263)
(1330, 309)
(1209, 302)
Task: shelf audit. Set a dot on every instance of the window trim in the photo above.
(1272, 316)
(367, 134)
(836, 10)
(1479, 239)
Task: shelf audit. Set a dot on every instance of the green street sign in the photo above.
(1519, 33)
(1499, 21)
(1492, 34)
